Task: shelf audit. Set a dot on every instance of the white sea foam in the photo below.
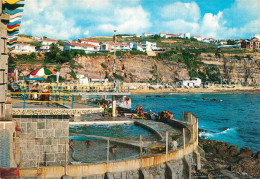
(212, 134)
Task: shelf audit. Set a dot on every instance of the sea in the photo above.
(232, 118)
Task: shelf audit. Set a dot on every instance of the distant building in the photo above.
(210, 40)
(127, 36)
(257, 36)
(38, 38)
(24, 48)
(170, 36)
(89, 41)
(86, 79)
(46, 44)
(190, 83)
(252, 44)
(148, 46)
(187, 35)
(162, 34)
(180, 35)
(147, 34)
(199, 38)
(130, 44)
(111, 46)
(88, 48)
(137, 46)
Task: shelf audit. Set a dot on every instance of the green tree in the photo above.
(11, 63)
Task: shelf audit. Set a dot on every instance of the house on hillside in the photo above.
(198, 38)
(147, 34)
(162, 34)
(187, 35)
(89, 41)
(46, 44)
(170, 36)
(111, 46)
(148, 46)
(24, 48)
(131, 45)
(257, 36)
(38, 38)
(88, 48)
(137, 46)
(254, 43)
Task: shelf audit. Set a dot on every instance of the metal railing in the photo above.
(78, 88)
(43, 97)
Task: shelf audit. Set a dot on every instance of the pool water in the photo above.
(97, 152)
(113, 131)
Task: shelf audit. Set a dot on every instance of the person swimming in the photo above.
(113, 148)
(71, 143)
(88, 143)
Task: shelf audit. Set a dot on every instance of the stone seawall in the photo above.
(39, 111)
(42, 141)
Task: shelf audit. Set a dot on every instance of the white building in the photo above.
(111, 46)
(90, 41)
(38, 38)
(148, 46)
(162, 34)
(147, 34)
(24, 48)
(187, 35)
(88, 48)
(170, 36)
(46, 44)
(131, 45)
(257, 36)
(190, 83)
(198, 38)
(137, 46)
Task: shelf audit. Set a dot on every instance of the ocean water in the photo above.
(234, 119)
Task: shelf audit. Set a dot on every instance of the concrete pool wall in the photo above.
(175, 163)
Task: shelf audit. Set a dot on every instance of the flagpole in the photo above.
(114, 70)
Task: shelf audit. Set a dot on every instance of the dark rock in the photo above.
(233, 150)
(248, 165)
(257, 155)
(222, 148)
(245, 153)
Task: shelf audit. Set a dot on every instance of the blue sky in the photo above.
(71, 19)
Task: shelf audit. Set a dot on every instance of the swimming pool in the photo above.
(110, 130)
(97, 151)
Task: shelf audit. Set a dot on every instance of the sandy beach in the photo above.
(197, 90)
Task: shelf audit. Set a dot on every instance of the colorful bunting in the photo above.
(14, 8)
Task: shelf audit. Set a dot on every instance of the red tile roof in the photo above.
(81, 44)
(112, 43)
(88, 40)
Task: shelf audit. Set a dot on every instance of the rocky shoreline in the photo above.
(222, 160)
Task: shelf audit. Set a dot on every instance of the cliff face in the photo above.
(141, 68)
(237, 68)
